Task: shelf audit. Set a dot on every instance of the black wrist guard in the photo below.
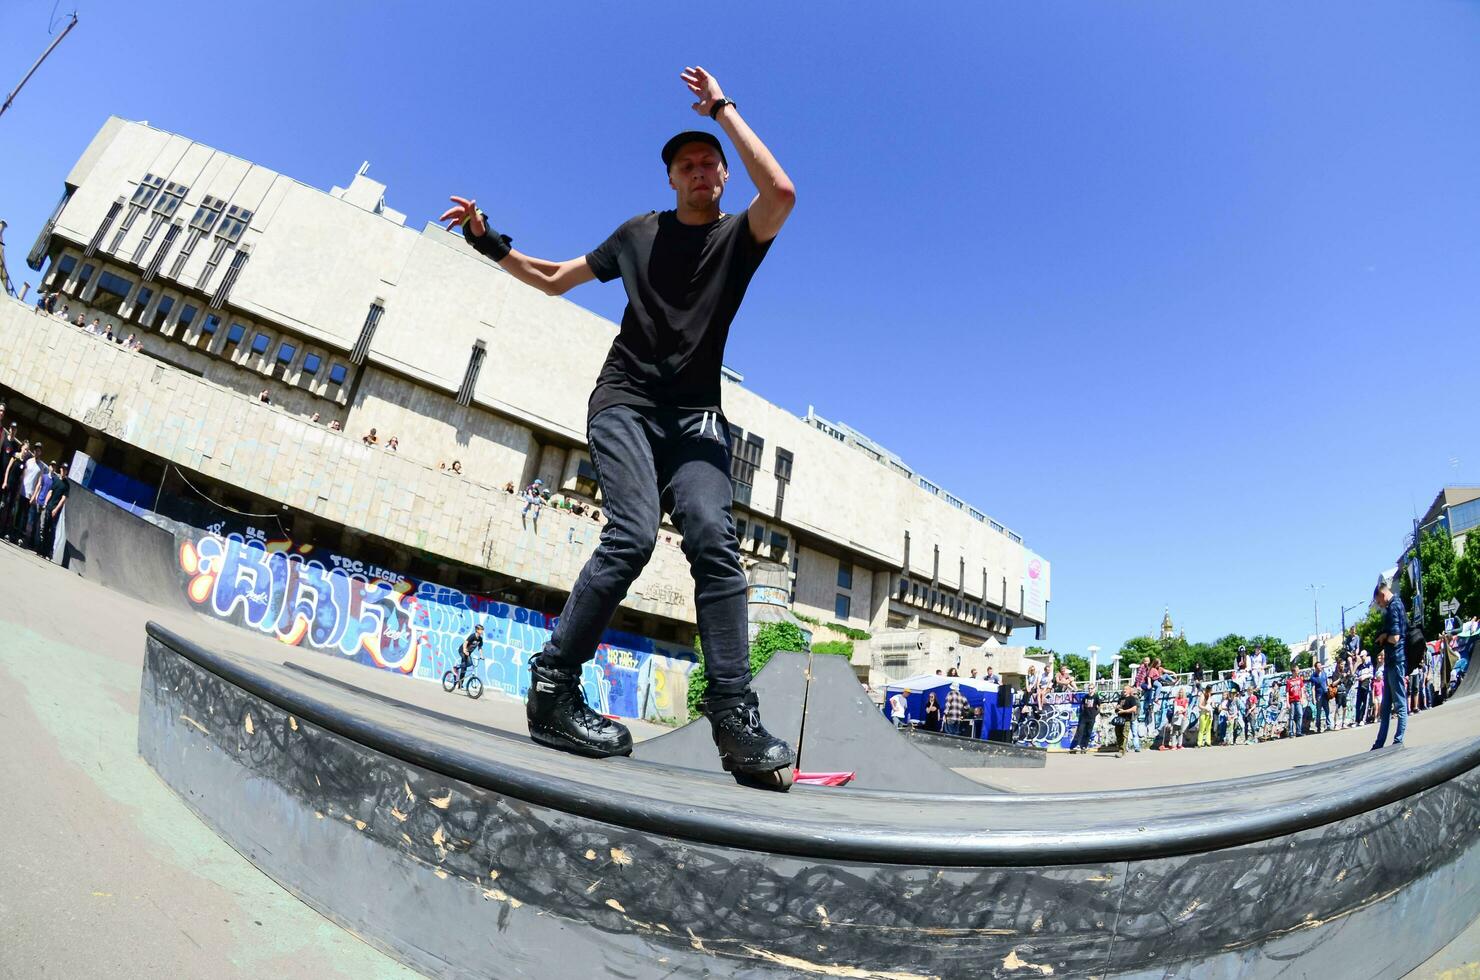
(490, 243)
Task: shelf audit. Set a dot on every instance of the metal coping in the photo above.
(892, 829)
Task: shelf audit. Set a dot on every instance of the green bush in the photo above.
(769, 639)
(848, 631)
(842, 648)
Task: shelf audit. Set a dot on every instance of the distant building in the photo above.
(1456, 509)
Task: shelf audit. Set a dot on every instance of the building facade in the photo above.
(244, 284)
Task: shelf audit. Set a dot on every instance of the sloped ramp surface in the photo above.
(844, 731)
(108, 545)
(781, 687)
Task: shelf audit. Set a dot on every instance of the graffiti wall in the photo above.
(1055, 729)
(382, 619)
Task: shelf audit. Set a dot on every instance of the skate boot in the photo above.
(746, 749)
(560, 718)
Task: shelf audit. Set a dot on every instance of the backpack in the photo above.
(1414, 644)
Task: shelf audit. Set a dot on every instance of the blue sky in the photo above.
(1184, 293)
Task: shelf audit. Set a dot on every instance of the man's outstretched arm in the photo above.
(775, 193)
(550, 278)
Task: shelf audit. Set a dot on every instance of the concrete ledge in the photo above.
(464, 855)
(973, 753)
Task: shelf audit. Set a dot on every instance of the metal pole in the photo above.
(50, 48)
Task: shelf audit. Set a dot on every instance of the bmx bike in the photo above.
(470, 681)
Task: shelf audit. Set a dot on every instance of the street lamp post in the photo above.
(1094, 666)
(1115, 672)
(1317, 590)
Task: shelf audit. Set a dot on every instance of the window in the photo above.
(285, 353)
(470, 377)
(84, 276)
(757, 534)
(779, 544)
(63, 269)
(208, 329)
(201, 224)
(187, 311)
(161, 312)
(741, 525)
(845, 575)
(233, 224)
(367, 333)
(311, 364)
(145, 192)
(336, 374)
(783, 478)
(111, 292)
(260, 343)
(223, 292)
(841, 608)
(1463, 517)
(141, 300)
(164, 247)
(234, 335)
(97, 238)
(745, 459)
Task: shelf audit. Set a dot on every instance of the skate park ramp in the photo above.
(463, 855)
(121, 551)
(781, 687)
(816, 703)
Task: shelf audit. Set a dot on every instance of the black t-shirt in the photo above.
(58, 493)
(472, 644)
(1129, 702)
(684, 285)
(1090, 706)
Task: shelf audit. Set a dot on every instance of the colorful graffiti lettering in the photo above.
(391, 622)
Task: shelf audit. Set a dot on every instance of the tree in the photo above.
(1467, 578)
(1369, 627)
(1438, 568)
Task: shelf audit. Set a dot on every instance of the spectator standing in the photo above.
(1233, 718)
(956, 708)
(1295, 691)
(1364, 688)
(369, 438)
(334, 425)
(36, 519)
(29, 476)
(457, 467)
(1125, 717)
(1174, 729)
(393, 444)
(1321, 695)
(54, 504)
(899, 708)
(1391, 643)
(1089, 713)
(1251, 715)
(932, 713)
(12, 484)
(1205, 717)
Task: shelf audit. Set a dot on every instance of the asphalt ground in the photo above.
(104, 872)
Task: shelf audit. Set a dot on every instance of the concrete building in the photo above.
(1456, 508)
(242, 282)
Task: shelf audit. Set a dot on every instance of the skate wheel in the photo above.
(779, 780)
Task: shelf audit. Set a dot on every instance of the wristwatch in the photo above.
(714, 109)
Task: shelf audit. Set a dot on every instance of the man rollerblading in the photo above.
(658, 437)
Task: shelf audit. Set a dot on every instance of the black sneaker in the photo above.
(744, 744)
(560, 718)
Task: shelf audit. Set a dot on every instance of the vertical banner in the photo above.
(1035, 586)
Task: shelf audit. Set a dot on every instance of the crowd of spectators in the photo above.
(33, 491)
(1254, 702)
(50, 304)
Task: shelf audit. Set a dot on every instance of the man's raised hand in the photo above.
(464, 210)
(704, 87)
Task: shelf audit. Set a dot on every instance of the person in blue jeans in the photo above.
(1394, 669)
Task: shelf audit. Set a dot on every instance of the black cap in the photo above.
(671, 148)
